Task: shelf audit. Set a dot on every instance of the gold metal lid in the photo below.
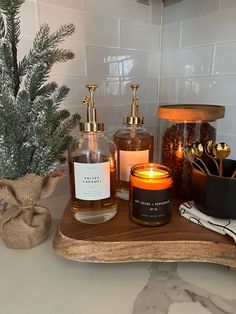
(91, 125)
(134, 117)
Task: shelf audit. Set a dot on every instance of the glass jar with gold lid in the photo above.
(179, 125)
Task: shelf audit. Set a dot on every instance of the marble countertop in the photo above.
(37, 281)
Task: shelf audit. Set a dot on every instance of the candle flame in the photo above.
(151, 172)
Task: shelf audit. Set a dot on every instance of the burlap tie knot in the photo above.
(24, 224)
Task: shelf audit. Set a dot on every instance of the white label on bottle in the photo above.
(92, 181)
(130, 158)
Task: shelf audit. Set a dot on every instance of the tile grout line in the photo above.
(37, 14)
(213, 60)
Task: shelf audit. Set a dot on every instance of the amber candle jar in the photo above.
(150, 194)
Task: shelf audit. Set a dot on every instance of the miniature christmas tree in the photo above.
(34, 132)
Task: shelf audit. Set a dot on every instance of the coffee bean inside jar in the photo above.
(179, 125)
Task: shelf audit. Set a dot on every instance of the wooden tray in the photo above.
(121, 240)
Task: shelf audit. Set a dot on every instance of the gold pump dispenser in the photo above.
(91, 125)
(134, 118)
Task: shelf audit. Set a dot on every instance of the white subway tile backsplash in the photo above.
(131, 32)
(112, 120)
(120, 62)
(107, 93)
(171, 36)
(149, 112)
(147, 91)
(168, 90)
(56, 16)
(99, 30)
(91, 29)
(187, 62)
(219, 90)
(225, 59)
(228, 125)
(156, 11)
(78, 4)
(28, 24)
(122, 8)
(227, 4)
(189, 9)
(218, 27)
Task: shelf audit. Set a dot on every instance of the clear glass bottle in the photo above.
(134, 145)
(92, 167)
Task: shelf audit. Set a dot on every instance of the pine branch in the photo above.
(34, 133)
(2, 26)
(6, 62)
(47, 89)
(44, 48)
(59, 36)
(36, 77)
(11, 10)
(60, 94)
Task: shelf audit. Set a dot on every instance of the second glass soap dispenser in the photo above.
(134, 145)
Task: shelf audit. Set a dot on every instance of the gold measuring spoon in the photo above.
(190, 155)
(198, 151)
(221, 151)
(208, 150)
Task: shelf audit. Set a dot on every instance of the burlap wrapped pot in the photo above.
(24, 224)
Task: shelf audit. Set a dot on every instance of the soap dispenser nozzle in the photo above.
(91, 125)
(134, 107)
(134, 117)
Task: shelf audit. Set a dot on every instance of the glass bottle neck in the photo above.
(92, 134)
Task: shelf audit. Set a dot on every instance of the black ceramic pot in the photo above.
(214, 195)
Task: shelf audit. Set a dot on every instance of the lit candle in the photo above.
(150, 194)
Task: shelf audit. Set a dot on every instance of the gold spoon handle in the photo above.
(216, 163)
(199, 167)
(234, 174)
(220, 167)
(204, 165)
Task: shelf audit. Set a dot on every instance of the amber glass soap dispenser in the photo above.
(92, 167)
(134, 145)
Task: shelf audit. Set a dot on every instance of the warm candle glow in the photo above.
(151, 178)
(151, 173)
(150, 194)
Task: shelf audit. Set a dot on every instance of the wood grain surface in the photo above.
(191, 112)
(121, 240)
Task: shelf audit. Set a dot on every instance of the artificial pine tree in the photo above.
(34, 132)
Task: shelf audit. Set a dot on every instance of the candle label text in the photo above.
(151, 205)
